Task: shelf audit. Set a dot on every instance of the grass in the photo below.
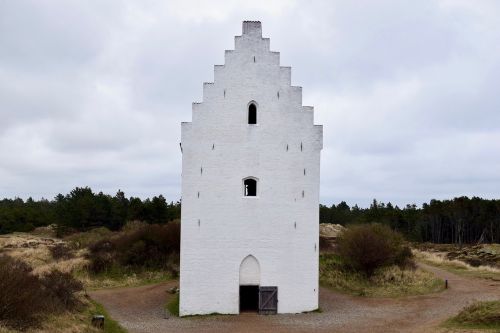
(172, 305)
(386, 282)
(479, 315)
(75, 322)
(119, 276)
(81, 240)
(41, 260)
(110, 325)
(457, 266)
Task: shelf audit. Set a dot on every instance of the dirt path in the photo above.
(141, 310)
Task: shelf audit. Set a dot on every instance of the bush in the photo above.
(62, 287)
(21, 296)
(144, 246)
(367, 247)
(102, 255)
(61, 251)
(26, 297)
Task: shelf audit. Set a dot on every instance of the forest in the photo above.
(82, 209)
(461, 220)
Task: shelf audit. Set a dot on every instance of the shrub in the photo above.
(26, 297)
(143, 246)
(61, 251)
(62, 286)
(21, 296)
(102, 255)
(80, 240)
(367, 247)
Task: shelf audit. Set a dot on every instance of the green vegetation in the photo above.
(172, 305)
(110, 325)
(151, 247)
(81, 240)
(27, 298)
(391, 281)
(374, 260)
(48, 296)
(480, 315)
(367, 247)
(457, 266)
(82, 210)
(118, 276)
(461, 220)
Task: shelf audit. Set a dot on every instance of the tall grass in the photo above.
(458, 266)
(481, 315)
(391, 281)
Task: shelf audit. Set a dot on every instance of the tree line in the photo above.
(82, 209)
(461, 220)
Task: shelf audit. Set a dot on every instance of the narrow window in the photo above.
(250, 187)
(252, 114)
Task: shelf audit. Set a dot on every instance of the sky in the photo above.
(92, 93)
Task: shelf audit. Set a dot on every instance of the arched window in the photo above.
(250, 187)
(252, 114)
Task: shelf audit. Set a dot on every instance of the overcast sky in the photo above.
(92, 93)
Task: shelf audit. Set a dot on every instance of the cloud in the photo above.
(93, 93)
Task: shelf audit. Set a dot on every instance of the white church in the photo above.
(250, 189)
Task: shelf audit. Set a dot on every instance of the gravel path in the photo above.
(140, 310)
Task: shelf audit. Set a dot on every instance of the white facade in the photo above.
(227, 238)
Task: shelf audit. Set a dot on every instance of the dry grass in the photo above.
(74, 322)
(457, 266)
(385, 282)
(81, 240)
(118, 277)
(35, 251)
(479, 315)
(78, 321)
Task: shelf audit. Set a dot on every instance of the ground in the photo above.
(141, 309)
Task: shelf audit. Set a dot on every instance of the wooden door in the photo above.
(268, 300)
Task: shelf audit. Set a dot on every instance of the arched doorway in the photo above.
(249, 284)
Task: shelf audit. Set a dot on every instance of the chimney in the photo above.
(252, 28)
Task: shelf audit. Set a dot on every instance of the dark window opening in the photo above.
(250, 187)
(249, 298)
(252, 114)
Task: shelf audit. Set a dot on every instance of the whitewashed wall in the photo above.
(279, 227)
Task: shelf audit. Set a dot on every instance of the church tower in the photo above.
(250, 189)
